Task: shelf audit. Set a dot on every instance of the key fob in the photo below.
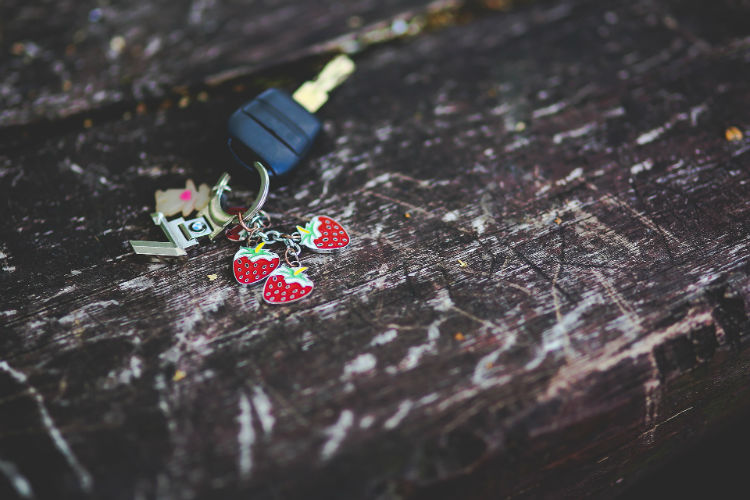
(275, 128)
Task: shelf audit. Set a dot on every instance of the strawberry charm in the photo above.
(250, 265)
(324, 235)
(287, 284)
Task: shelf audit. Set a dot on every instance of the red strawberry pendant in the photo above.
(324, 235)
(286, 285)
(250, 265)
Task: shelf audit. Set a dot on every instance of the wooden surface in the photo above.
(546, 292)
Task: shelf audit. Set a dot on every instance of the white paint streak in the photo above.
(446, 109)
(484, 367)
(430, 398)
(138, 283)
(348, 210)
(384, 338)
(16, 479)
(366, 422)
(695, 112)
(82, 312)
(572, 134)
(84, 477)
(65, 290)
(383, 133)
(479, 224)
(381, 179)
(650, 136)
(556, 339)
(518, 143)
(442, 301)
(643, 166)
(133, 371)
(576, 173)
(361, 364)
(336, 434)
(549, 110)
(414, 355)
(403, 410)
(451, 216)
(614, 112)
(264, 408)
(459, 397)
(245, 437)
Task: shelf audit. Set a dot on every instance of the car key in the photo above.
(278, 128)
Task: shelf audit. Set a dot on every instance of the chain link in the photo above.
(254, 229)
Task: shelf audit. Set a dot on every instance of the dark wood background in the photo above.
(546, 293)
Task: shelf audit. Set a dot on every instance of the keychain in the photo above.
(279, 129)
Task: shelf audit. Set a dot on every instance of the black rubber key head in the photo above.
(274, 127)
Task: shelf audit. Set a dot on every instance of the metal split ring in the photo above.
(216, 214)
(292, 262)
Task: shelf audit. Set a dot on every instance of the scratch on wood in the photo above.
(555, 297)
(556, 339)
(620, 301)
(336, 434)
(643, 166)
(415, 353)
(84, 477)
(652, 389)
(366, 422)
(572, 134)
(649, 434)
(642, 218)
(245, 437)
(403, 410)
(384, 338)
(359, 365)
(19, 482)
(264, 409)
(414, 208)
(624, 348)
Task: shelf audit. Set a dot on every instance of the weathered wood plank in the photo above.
(70, 57)
(571, 155)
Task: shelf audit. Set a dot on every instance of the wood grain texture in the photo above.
(546, 292)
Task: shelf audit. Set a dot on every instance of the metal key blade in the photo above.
(313, 94)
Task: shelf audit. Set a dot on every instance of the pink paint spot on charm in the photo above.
(186, 195)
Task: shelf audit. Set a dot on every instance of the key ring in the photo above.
(260, 200)
(216, 214)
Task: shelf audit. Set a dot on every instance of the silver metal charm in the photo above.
(182, 234)
(211, 221)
